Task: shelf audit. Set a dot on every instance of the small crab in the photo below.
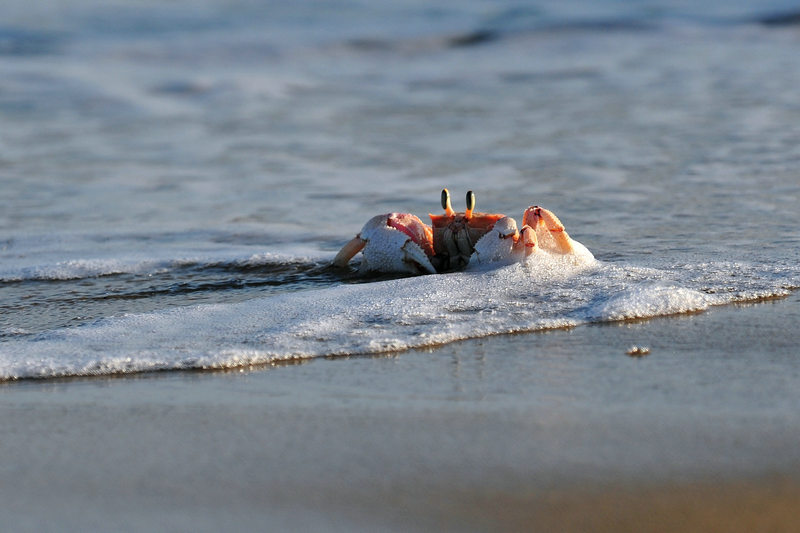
(401, 242)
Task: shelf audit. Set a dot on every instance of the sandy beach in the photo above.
(557, 431)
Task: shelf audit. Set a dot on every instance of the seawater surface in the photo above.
(177, 177)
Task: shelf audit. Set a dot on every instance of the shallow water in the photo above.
(175, 179)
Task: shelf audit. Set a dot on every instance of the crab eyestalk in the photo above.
(470, 205)
(448, 209)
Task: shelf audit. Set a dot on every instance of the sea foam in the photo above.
(385, 316)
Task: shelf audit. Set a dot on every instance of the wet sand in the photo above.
(557, 431)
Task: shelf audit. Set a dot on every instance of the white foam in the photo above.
(649, 301)
(546, 292)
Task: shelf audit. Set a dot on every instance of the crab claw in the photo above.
(504, 242)
(552, 236)
(544, 222)
(395, 242)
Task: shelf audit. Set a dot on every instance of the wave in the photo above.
(386, 316)
(84, 268)
(515, 22)
(73, 257)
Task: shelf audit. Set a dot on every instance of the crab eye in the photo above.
(445, 199)
(470, 204)
(470, 200)
(448, 209)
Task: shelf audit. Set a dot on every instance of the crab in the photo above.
(401, 242)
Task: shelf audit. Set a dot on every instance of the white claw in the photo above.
(391, 250)
(499, 244)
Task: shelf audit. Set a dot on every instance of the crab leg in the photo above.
(348, 251)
